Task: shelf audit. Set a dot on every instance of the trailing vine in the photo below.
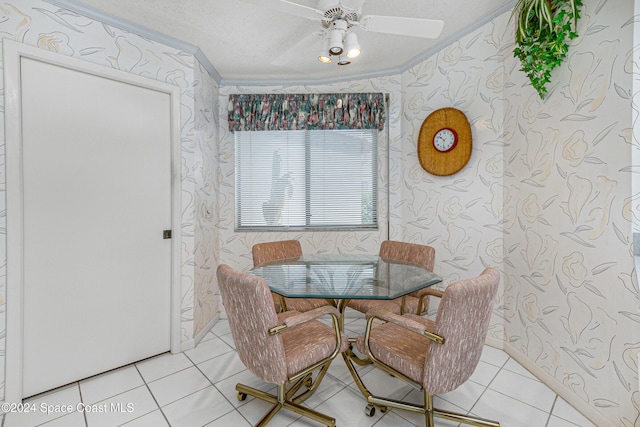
(543, 31)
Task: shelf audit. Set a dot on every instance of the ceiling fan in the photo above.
(338, 18)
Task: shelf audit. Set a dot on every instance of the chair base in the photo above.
(285, 400)
(427, 409)
(431, 412)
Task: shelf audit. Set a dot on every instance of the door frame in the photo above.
(13, 52)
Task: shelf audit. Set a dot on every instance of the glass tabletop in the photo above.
(344, 277)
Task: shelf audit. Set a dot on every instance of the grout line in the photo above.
(84, 413)
(152, 396)
(551, 411)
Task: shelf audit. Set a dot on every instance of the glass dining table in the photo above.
(343, 277)
(340, 278)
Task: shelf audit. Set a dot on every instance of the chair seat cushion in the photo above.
(305, 346)
(394, 305)
(304, 304)
(364, 305)
(402, 351)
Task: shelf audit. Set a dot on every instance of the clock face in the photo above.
(445, 140)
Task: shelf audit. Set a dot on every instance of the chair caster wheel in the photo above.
(370, 410)
(383, 409)
(308, 382)
(242, 396)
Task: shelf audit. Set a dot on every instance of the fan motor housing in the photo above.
(333, 10)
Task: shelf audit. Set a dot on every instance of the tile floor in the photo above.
(197, 388)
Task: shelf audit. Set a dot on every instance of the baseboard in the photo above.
(580, 405)
(495, 343)
(189, 344)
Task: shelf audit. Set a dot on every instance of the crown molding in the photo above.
(140, 30)
(480, 22)
(197, 53)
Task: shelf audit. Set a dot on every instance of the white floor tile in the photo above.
(75, 419)
(109, 384)
(53, 401)
(417, 397)
(208, 350)
(231, 419)
(508, 411)
(152, 419)
(494, 356)
(347, 407)
(563, 410)
(465, 396)
(209, 336)
(221, 367)
(163, 365)
(256, 409)
(559, 422)
(176, 386)
(197, 409)
(228, 339)
(500, 389)
(122, 408)
(228, 387)
(380, 383)
(391, 419)
(221, 328)
(484, 373)
(524, 389)
(514, 366)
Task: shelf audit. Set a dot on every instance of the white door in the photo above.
(96, 177)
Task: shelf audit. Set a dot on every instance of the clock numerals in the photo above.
(445, 140)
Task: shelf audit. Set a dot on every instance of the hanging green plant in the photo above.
(543, 31)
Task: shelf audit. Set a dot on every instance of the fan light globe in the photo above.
(351, 45)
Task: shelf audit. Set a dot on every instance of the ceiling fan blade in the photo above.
(309, 45)
(415, 27)
(353, 4)
(290, 8)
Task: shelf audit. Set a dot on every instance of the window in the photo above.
(306, 179)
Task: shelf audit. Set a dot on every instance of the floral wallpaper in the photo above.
(571, 285)
(49, 27)
(546, 197)
(207, 306)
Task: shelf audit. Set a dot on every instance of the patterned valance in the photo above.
(306, 111)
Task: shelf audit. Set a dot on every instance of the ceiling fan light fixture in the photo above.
(343, 60)
(324, 55)
(335, 42)
(351, 45)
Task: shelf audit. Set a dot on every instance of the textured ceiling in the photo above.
(242, 41)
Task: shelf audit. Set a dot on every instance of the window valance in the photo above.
(256, 112)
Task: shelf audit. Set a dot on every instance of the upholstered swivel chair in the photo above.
(437, 356)
(284, 349)
(271, 251)
(416, 302)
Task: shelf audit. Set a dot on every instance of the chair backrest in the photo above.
(249, 306)
(463, 320)
(410, 252)
(269, 251)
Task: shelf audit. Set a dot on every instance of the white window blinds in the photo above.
(313, 179)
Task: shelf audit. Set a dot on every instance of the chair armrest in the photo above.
(403, 322)
(429, 292)
(307, 316)
(426, 293)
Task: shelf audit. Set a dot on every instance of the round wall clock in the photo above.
(444, 142)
